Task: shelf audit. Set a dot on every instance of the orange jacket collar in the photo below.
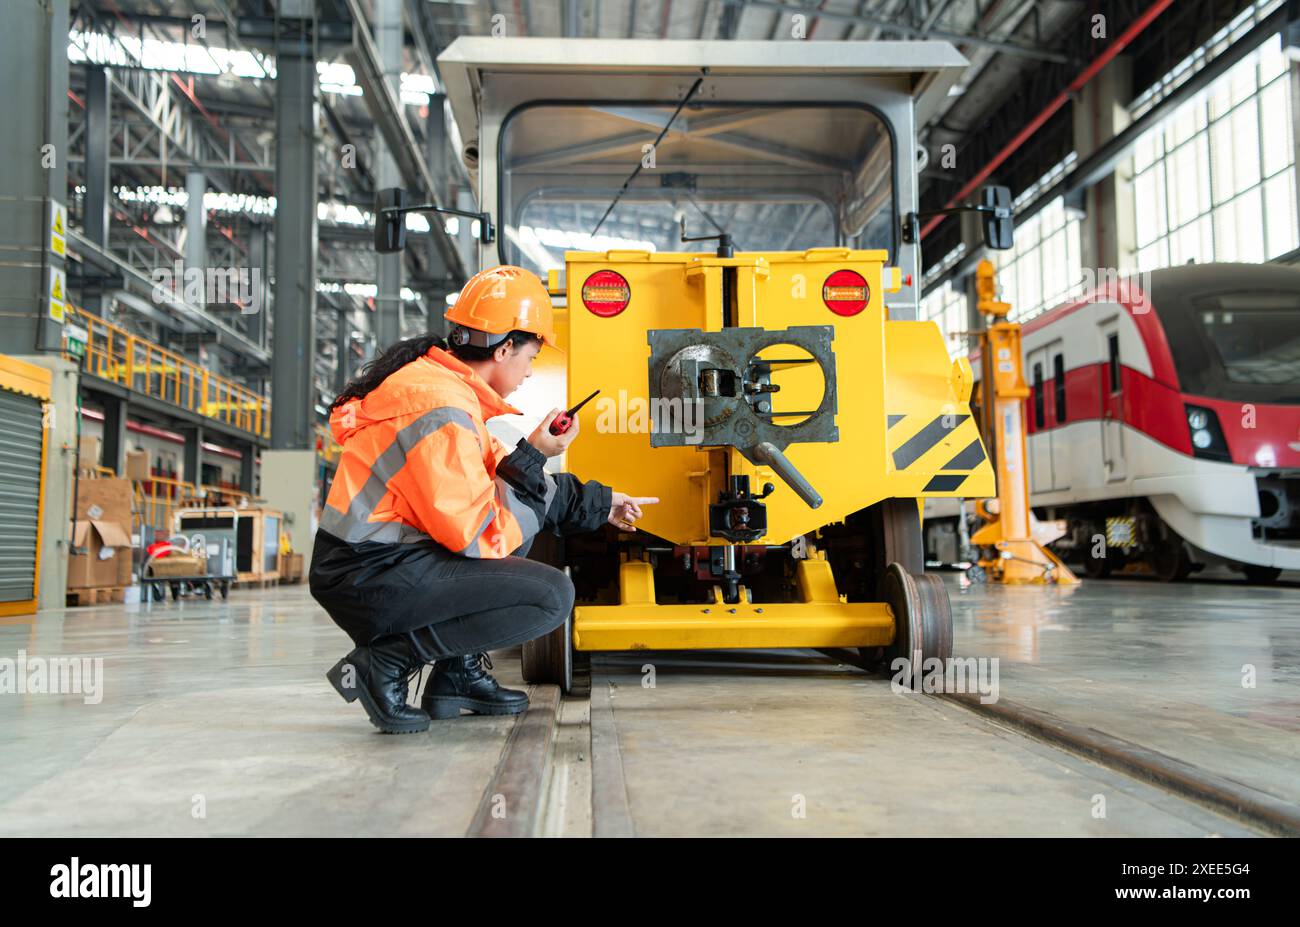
(489, 400)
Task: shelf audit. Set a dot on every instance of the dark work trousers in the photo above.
(445, 604)
(496, 603)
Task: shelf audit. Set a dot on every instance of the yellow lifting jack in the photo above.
(1011, 532)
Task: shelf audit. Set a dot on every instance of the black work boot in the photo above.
(463, 682)
(380, 675)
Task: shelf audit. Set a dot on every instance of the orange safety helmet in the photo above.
(500, 300)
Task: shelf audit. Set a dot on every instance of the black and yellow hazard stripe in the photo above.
(914, 448)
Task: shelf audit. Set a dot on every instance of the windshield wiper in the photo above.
(704, 72)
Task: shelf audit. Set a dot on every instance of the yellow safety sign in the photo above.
(58, 284)
(58, 228)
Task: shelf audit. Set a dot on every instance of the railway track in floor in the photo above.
(563, 772)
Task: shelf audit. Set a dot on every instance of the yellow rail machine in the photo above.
(787, 417)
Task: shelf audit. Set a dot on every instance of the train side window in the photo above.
(1038, 396)
(1058, 374)
(1112, 346)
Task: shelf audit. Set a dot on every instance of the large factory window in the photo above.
(1215, 181)
(1044, 266)
(947, 306)
(777, 178)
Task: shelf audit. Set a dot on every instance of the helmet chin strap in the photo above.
(461, 336)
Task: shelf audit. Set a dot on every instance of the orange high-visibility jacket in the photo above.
(418, 462)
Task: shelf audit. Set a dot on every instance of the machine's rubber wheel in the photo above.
(549, 658)
(207, 590)
(1171, 562)
(1261, 574)
(923, 619)
(157, 592)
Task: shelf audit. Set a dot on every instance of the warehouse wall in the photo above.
(289, 485)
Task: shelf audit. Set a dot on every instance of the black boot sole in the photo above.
(441, 708)
(377, 717)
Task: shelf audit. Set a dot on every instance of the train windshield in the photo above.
(1256, 336)
(777, 178)
(1241, 345)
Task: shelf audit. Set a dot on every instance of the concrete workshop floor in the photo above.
(1207, 672)
(216, 719)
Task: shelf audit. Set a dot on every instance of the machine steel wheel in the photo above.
(897, 523)
(922, 614)
(549, 658)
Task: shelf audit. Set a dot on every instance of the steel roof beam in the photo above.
(387, 110)
(897, 27)
(183, 316)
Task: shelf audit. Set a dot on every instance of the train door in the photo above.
(1112, 403)
(1039, 430)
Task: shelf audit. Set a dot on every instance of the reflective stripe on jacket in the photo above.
(418, 462)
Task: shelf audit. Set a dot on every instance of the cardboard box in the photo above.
(88, 452)
(107, 557)
(101, 530)
(179, 565)
(111, 496)
(291, 568)
(137, 466)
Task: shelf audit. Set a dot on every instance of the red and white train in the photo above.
(1165, 416)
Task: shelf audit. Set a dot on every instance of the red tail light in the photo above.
(606, 293)
(845, 292)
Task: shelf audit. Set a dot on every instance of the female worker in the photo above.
(419, 556)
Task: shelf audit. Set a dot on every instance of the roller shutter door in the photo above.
(20, 494)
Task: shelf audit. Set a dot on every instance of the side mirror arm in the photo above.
(392, 203)
(912, 220)
(487, 232)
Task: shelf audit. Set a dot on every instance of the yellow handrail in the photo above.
(113, 353)
(159, 497)
(225, 496)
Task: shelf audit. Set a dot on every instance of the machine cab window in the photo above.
(776, 177)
